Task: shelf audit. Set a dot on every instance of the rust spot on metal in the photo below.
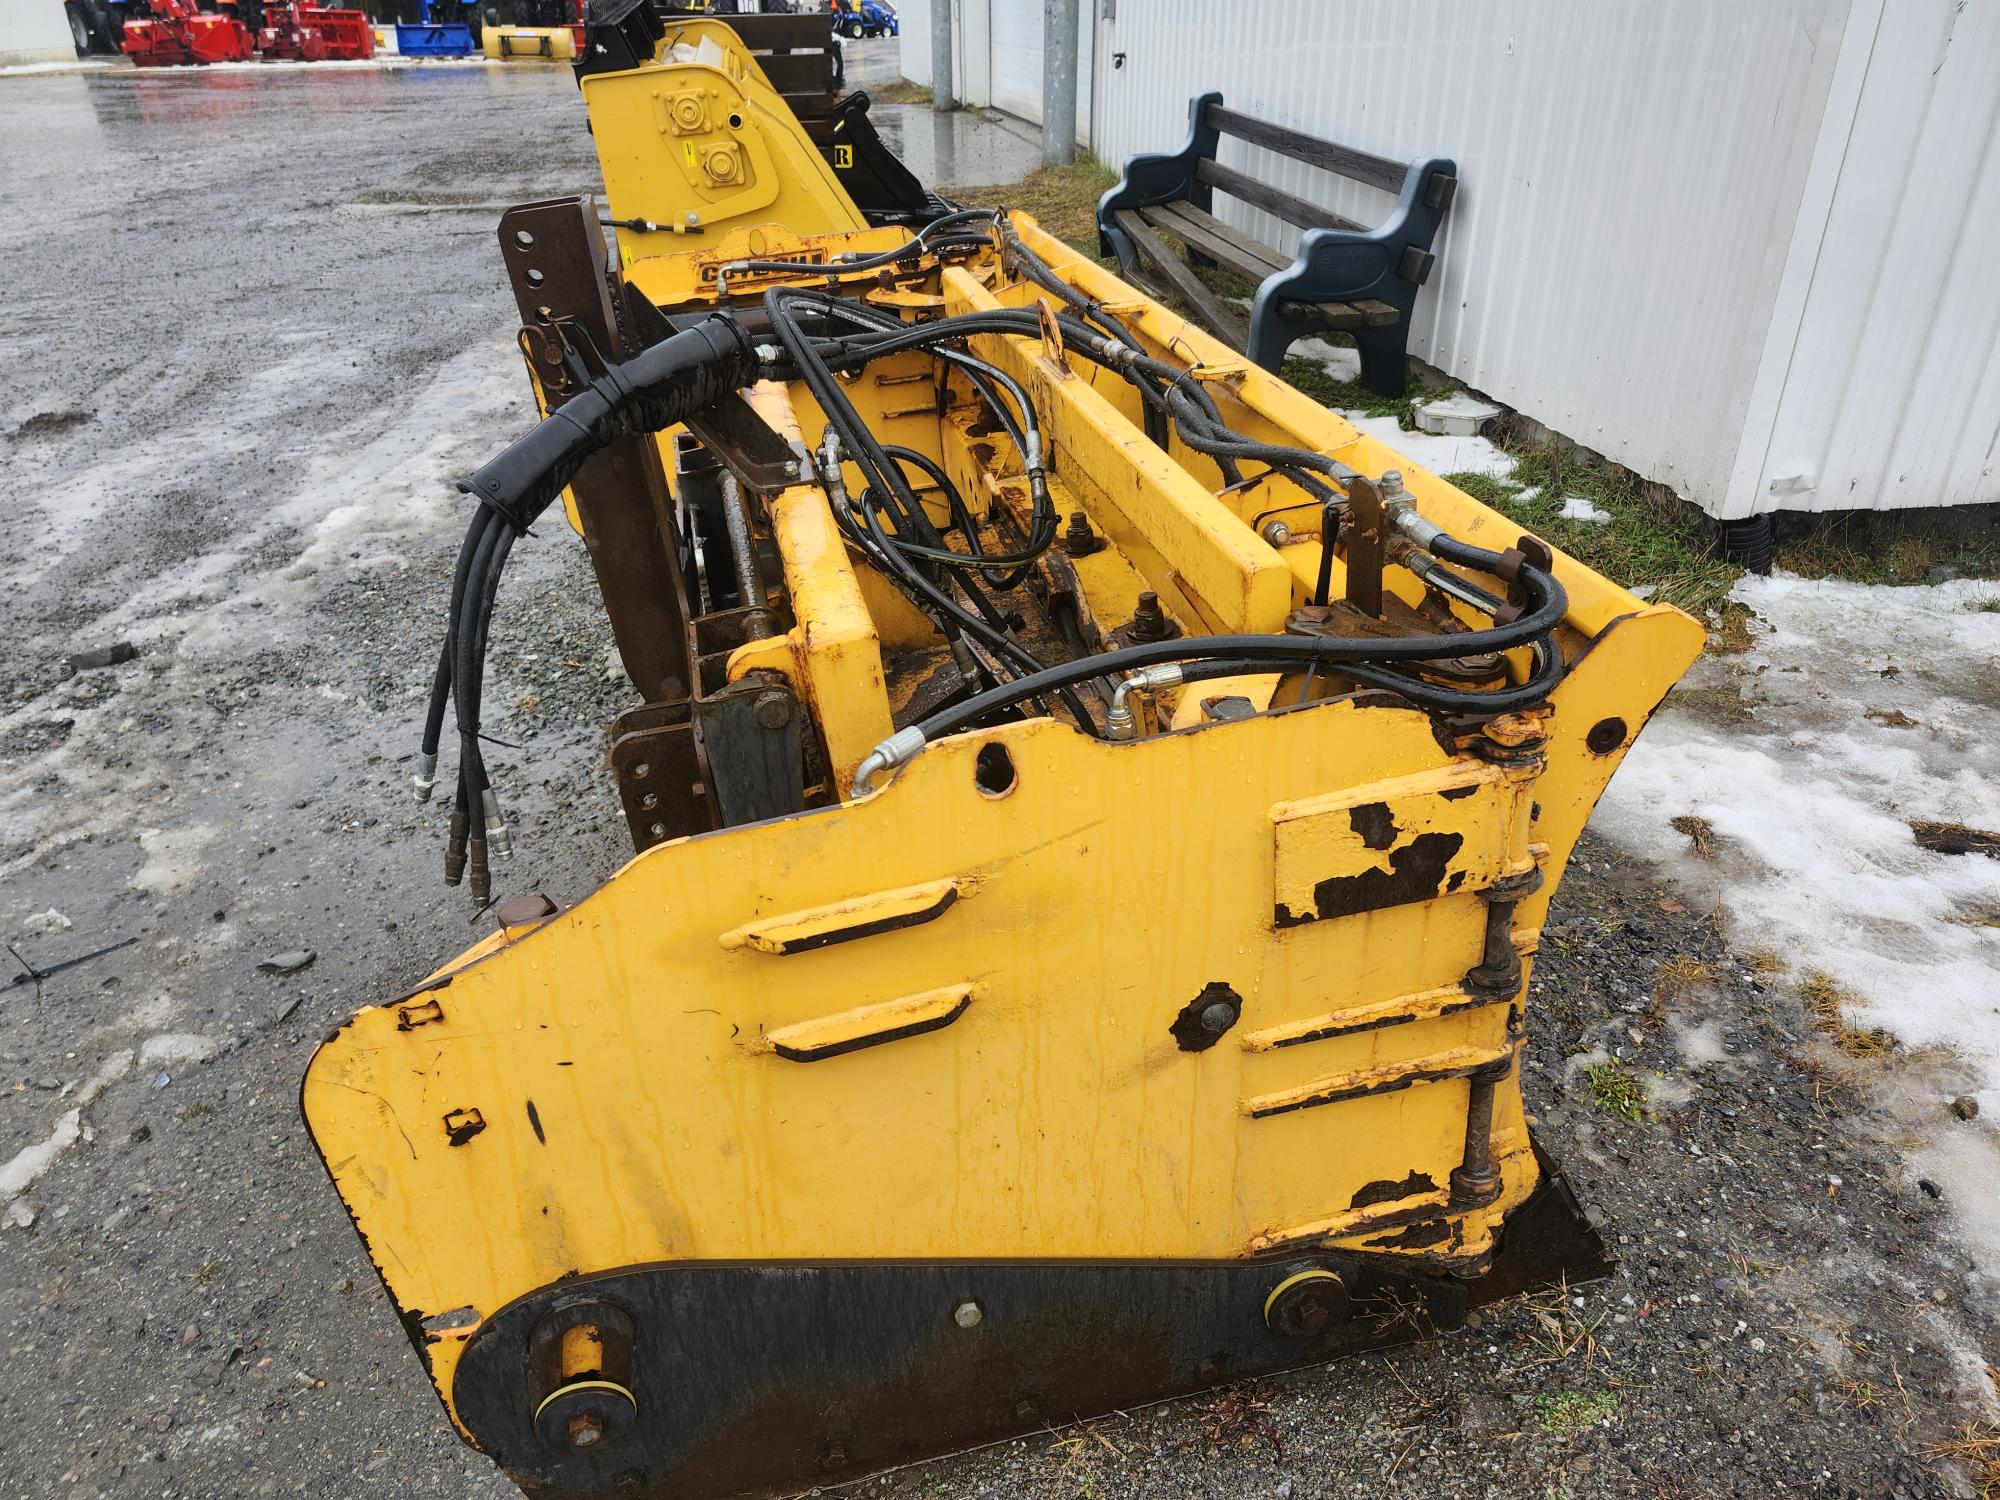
(1416, 873)
(1453, 793)
(535, 1120)
(461, 1125)
(410, 1017)
(1388, 1190)
(1373, 824)
(1424, 1232)
(1457, 880)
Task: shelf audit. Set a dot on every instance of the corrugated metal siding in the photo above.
(1630, 172)
(1880, 387)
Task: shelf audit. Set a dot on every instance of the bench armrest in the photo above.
(1156, 178)
(1386, 264)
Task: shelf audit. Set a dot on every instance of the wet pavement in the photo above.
(255, 328)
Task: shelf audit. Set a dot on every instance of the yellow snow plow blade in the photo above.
(968, 1047)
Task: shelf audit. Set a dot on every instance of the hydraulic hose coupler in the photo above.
(455, 851)
(1401, 510)
(496, 825)
(1121, 723)
(479, 879)
(425, 781)
(897, 750)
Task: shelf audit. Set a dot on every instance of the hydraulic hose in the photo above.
(653, 390)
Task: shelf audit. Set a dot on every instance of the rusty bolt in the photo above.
(586, 1429)
(1079, 540)
(967, 1314)
(772, 709)
(1149, 621)
(1311, 1312)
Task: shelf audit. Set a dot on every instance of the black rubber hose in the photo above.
(1248, 653)
(649, 392)
(1357, 657)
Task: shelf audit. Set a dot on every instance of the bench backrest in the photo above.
(1214, 119)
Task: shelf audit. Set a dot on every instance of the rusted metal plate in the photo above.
(556, 259)
(662, 780)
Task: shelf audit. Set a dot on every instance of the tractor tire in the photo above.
(79, 27)
(1747, 543)
(851, 29)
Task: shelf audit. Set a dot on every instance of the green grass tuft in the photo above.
(1616, 1089)
(1568, 1414)
(1310, 376)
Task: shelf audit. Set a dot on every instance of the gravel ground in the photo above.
(256, 323)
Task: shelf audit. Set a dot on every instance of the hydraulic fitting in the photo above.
(894, 752)
(479, 878)
(497, 836)
(425, 781)
(1400, 510)
(1121, 723)
(454, 849)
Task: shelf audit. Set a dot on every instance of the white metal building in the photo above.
(1748, 248)
(36, 31)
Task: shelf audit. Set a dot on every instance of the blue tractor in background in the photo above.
(855, 19)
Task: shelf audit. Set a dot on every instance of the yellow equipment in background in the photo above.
(706, 144)
(528, 43)
(1003, 1021)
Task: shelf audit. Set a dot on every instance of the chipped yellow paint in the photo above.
(1449, 829)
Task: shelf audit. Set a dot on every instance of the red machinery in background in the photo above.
(301, 30)
(175, 32)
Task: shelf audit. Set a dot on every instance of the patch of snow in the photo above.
(1576, 508)
(1340, 361)
(176, 1047)
(1441, 455)
(43, 922)
(30, 1162)
(1857, 711)
(170, 866)
(1700, 1043)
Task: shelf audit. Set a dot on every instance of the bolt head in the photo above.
(586, 1429)
(1217, 1017)
(967, 1314)
(772, 710)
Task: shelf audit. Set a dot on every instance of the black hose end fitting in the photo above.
(480, 878)
(454, 849)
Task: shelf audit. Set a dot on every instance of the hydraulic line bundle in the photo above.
(1094, 814)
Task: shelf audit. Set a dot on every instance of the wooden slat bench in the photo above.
(1345, 277)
